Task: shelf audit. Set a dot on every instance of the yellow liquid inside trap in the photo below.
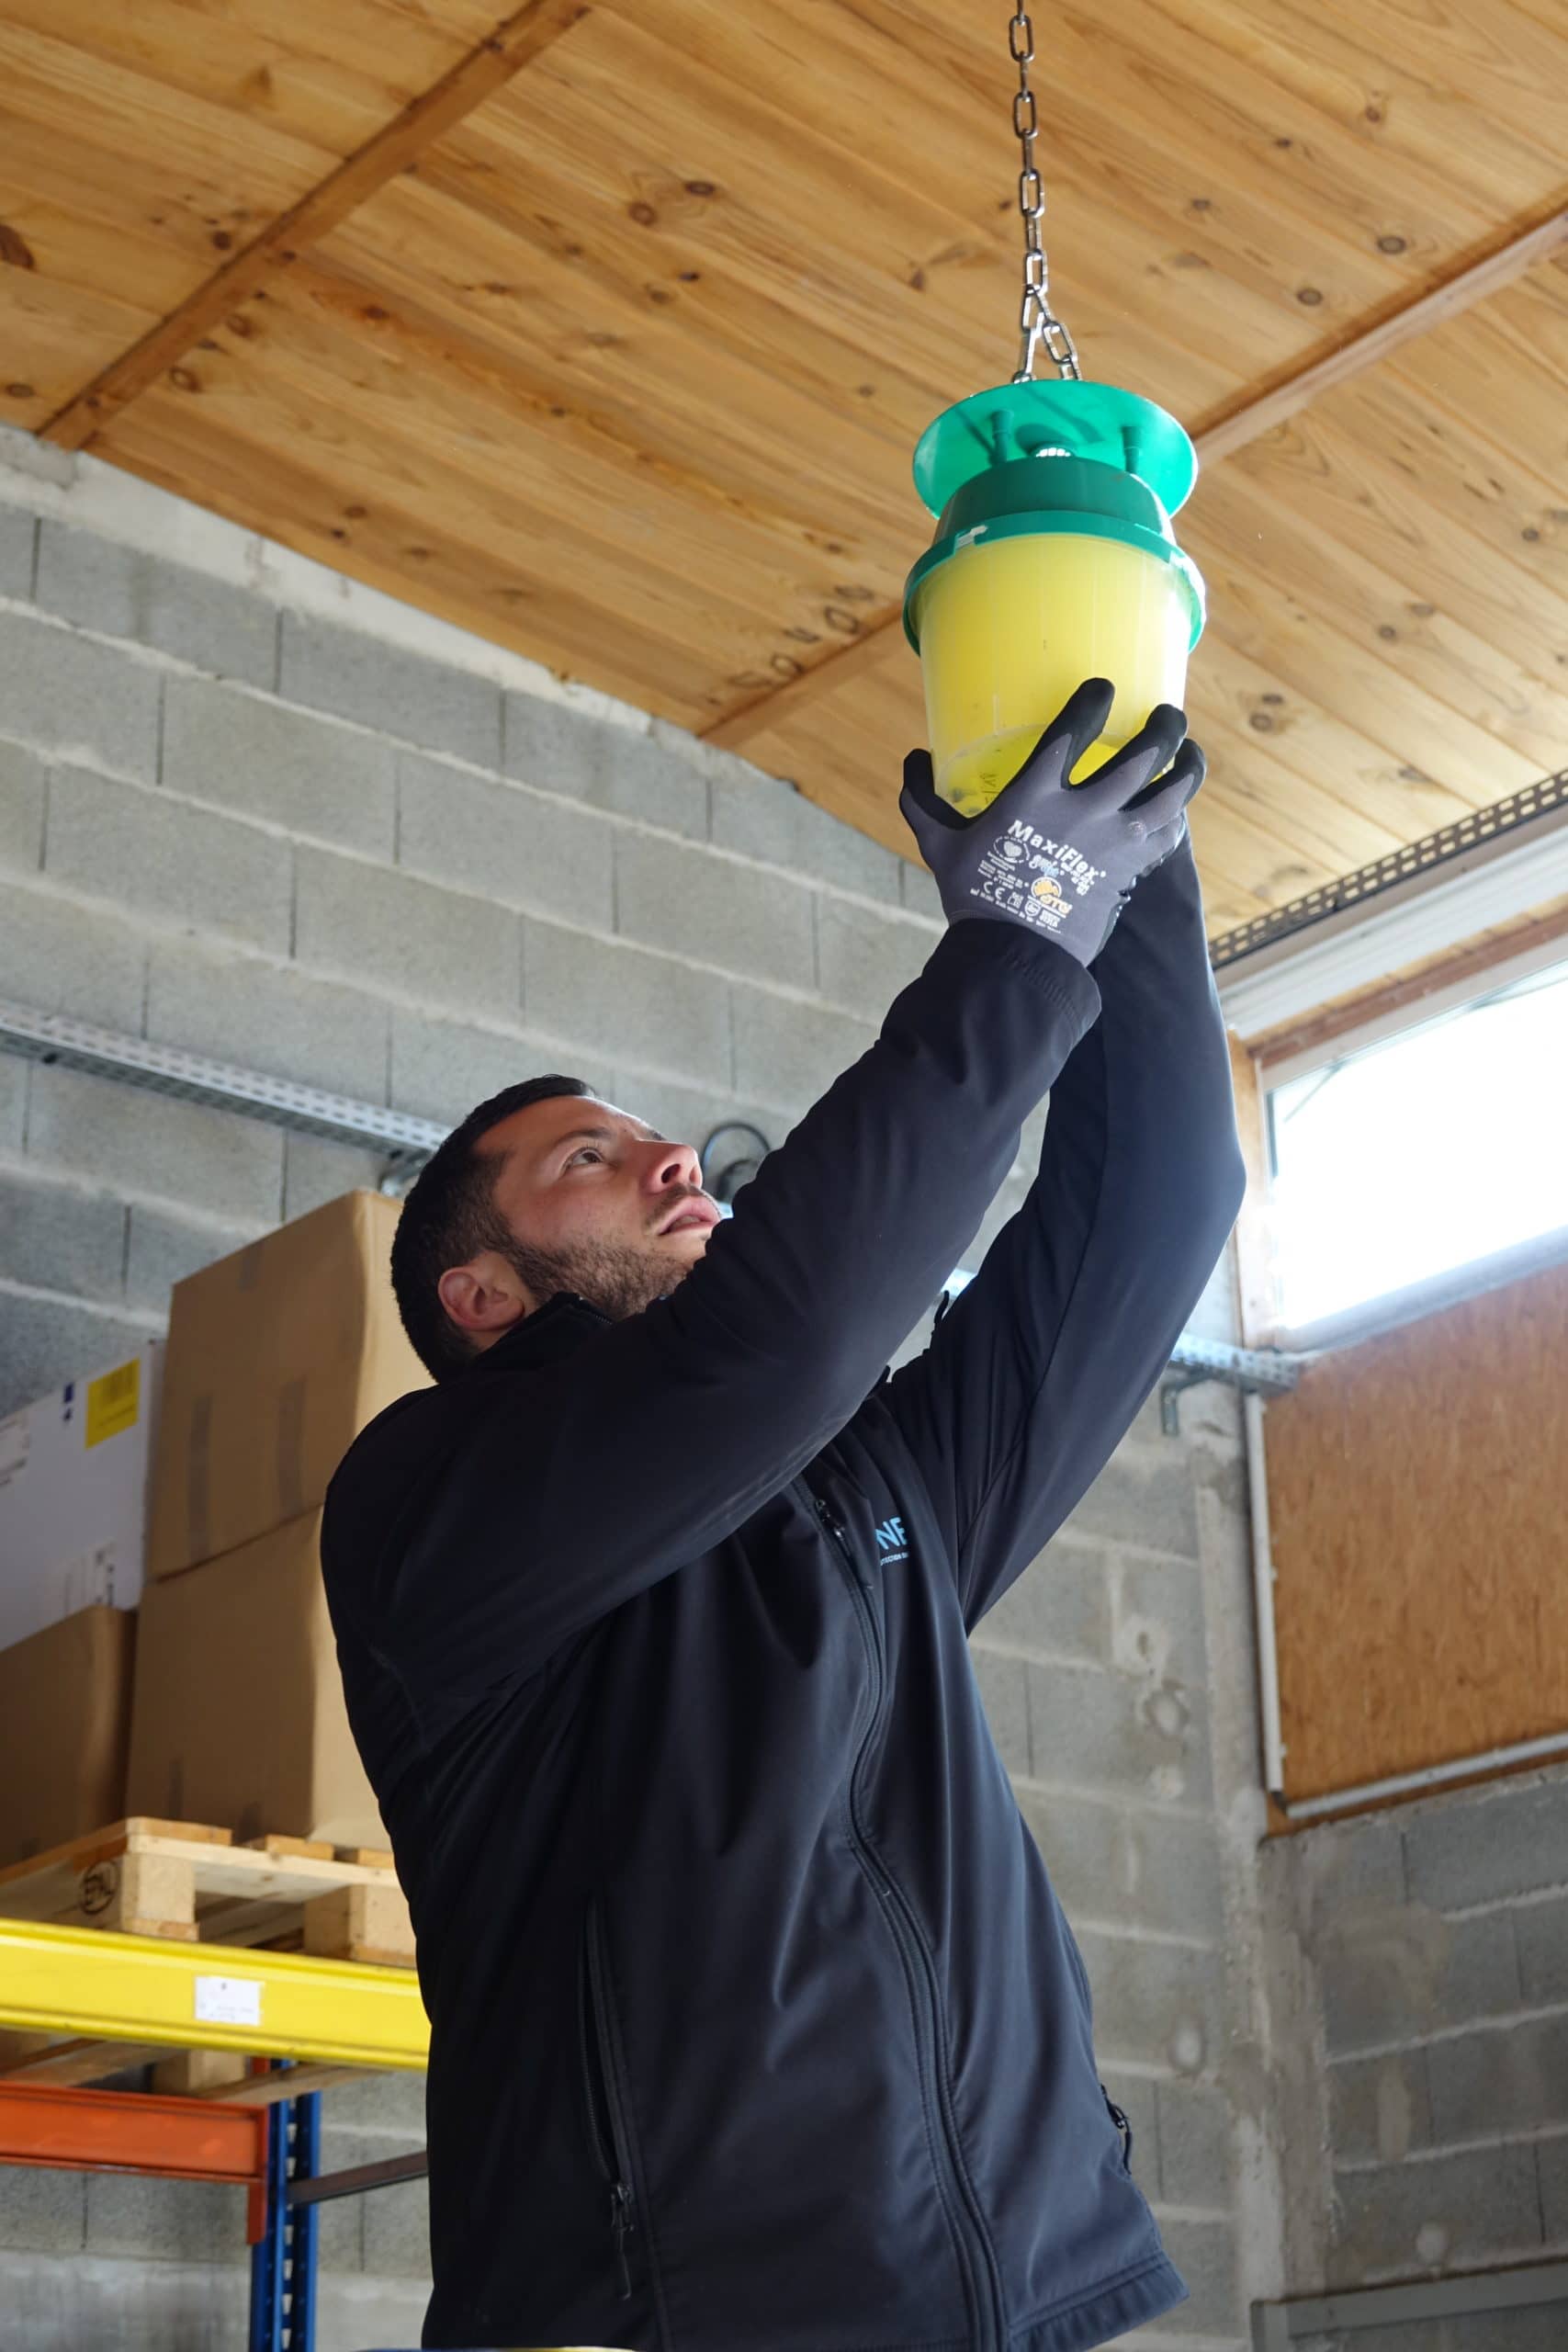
(1008, 628)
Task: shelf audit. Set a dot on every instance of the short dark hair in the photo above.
(450, 1216)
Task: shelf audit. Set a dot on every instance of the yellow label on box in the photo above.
(113, 1401)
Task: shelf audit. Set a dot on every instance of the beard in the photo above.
(617, 1277)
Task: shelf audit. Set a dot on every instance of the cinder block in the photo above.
(623, 1004)
(384, 928)
(124, 591)
(1487, 1845)
(1004, 1697)
(788, 1053)
(340, 2223)
(354, 2313)
(18, 536)
(54, 1238)
(1434, 2214)
(169, 2220)
(1553, 2163)
(1380, 2108)
(63, 958)
(267, 1017)
(634, 774)
(43, 2211)
(1204, 2252)
(1059, 1607)
(397, 2232)
(259, 758)
(1157, 1617)
(865, 959)
(1388, 1973)
(44, 1341)
(1351, 1868)
(1092, 1730)
(764, 817)
(315, 1171)
(919, 890)
(148, 852)
(1143, 1498)
(21, 808)
(214, 1160)
(442, 1069)
(1174, 1875)
(1540, 1934)
(1155, 2004)
(718, 910)
(135, 2306)
(1134, 2095)
(392, 2103)
(503, 841)
(76, 700)
(1512, 2079)
(13, 1101)
(1083, 1843)
(361, 677)
(1196, 2132)
(163, 1249)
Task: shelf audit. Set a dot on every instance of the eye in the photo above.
(588, 1151)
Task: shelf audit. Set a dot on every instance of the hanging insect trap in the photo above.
(1053, 558)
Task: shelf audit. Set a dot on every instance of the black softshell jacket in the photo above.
(756, 2025)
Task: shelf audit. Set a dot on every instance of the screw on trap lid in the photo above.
(1039, 457)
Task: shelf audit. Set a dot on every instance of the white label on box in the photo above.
(227, 2000)
(13, 1447)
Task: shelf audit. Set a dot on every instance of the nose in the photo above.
(674, 1167)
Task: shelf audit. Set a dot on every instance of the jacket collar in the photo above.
(553, 1331)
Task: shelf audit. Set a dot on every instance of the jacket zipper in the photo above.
(989, 2308)
(604, 2125)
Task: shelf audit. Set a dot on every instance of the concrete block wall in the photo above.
(249, 812)
(1436, 1936)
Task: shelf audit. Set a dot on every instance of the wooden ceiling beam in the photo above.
(1218, 435)
(515, 43)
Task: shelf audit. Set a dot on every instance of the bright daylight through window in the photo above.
(1409, 1158)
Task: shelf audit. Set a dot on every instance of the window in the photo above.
(1399, 1161)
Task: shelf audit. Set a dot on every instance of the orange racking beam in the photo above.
(175, 2139)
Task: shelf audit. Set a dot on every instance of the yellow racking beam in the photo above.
(209, 1996)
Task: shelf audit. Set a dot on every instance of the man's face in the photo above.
(595, 1202)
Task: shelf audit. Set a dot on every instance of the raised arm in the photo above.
(1036, 1371)
(553, 1493)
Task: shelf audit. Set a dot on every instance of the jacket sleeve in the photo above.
(565, 1492)
(1037, 1369)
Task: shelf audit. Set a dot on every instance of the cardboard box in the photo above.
(64, 1730)
(238, 1717)
(277, 1358)
(73, 1491)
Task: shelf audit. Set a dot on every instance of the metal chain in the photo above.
(1038, 324)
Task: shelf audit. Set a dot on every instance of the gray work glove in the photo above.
(1061, 858)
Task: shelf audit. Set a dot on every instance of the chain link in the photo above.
(1037, 322)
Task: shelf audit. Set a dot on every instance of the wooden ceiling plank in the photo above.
(1292, 780)
(1373, 506)
(1517, 251)
(312, 331)
(184, 448)
(330, 76)
(53, 336)
(409, 472)
(524, 35)
(1251, 537)
(532, 302)
(1402, 108)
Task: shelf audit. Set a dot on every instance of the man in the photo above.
(756, 2026)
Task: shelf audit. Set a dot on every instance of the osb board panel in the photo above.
(623, 371)
(1415, 1501)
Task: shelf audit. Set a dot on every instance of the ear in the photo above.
(485, 1297)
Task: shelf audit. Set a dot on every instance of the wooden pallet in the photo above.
(193, 1884)
(190, 1883)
